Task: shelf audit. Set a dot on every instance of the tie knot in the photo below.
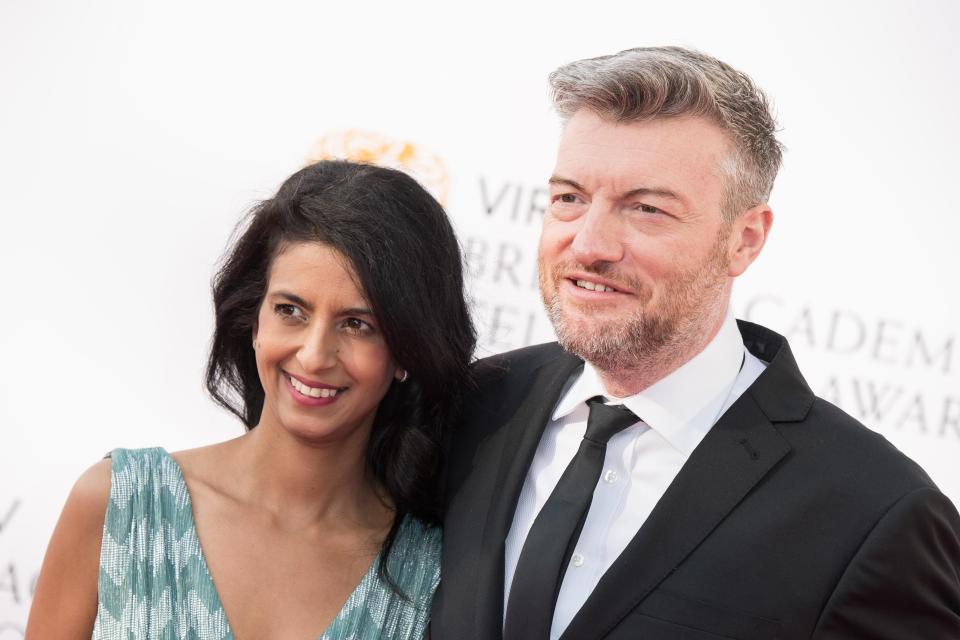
(606, 420)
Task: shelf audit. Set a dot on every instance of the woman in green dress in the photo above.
(342, 342)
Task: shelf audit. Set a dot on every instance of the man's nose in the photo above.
(599, 238)
(319, 350)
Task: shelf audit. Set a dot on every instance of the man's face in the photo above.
(634, 252)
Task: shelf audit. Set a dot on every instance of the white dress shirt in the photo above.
(641, 461)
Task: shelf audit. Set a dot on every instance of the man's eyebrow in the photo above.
(639, 191)
(567, 182)
(651, 191)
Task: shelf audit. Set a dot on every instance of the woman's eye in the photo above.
(357, 326)
(646, 208)
(567, 198)
(290, 311)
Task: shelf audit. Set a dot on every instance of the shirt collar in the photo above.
(682, 406)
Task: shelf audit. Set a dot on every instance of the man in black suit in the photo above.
(666, 472)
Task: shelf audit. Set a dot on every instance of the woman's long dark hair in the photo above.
(407, 259)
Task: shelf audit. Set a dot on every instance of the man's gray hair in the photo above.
(662, 82)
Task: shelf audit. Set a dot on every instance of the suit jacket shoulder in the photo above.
(853, 459)
(872, 463)
(511, 365)
(502, 384)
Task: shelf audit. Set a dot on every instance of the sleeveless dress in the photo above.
(154, 582)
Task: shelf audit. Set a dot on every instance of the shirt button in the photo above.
(611, 476)
(577, 560)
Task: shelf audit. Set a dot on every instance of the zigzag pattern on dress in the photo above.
(154, 583)
(374, 610)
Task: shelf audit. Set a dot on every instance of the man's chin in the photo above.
(589, 317)
(604, 356)
(594, 341)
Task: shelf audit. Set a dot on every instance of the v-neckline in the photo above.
(367, 575)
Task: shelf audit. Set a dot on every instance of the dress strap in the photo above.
(154, 581)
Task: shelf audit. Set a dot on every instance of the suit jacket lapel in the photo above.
(719, 473)
(520, 437)
(733, 457)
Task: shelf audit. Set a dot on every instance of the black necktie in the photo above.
(546, 551)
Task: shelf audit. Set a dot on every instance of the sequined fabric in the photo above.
(154, 581)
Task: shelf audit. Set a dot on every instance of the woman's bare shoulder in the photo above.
(86, 506)
(92, 489)
(65, 602)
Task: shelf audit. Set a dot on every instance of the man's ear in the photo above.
(747, 236)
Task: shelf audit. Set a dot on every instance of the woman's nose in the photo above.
(319, 350)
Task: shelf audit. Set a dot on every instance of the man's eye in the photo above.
(285, 310)
(646, 208)
(567, 198)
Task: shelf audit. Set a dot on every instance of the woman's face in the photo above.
(322, 360)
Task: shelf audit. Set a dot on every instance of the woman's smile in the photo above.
(312, 394)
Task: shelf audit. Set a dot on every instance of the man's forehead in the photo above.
(653, 152)
(602, 136)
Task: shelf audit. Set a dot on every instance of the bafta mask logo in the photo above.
(373, 148)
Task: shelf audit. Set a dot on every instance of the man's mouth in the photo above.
(593, 286)
(314, 392)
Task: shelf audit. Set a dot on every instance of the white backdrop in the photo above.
(133, 136)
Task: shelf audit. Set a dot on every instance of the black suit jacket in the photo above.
(789, 520)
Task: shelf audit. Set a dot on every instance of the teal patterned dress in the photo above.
(154, 581)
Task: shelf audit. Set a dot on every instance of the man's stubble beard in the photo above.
(643, 340)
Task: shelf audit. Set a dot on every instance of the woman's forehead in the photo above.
(314, 269)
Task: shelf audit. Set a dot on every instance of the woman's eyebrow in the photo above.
(292, 297)
(356, 311)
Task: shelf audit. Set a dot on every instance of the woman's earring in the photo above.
(254, 345)
(404, 377)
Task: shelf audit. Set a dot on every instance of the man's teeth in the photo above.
(593, 286)
(312, 392)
